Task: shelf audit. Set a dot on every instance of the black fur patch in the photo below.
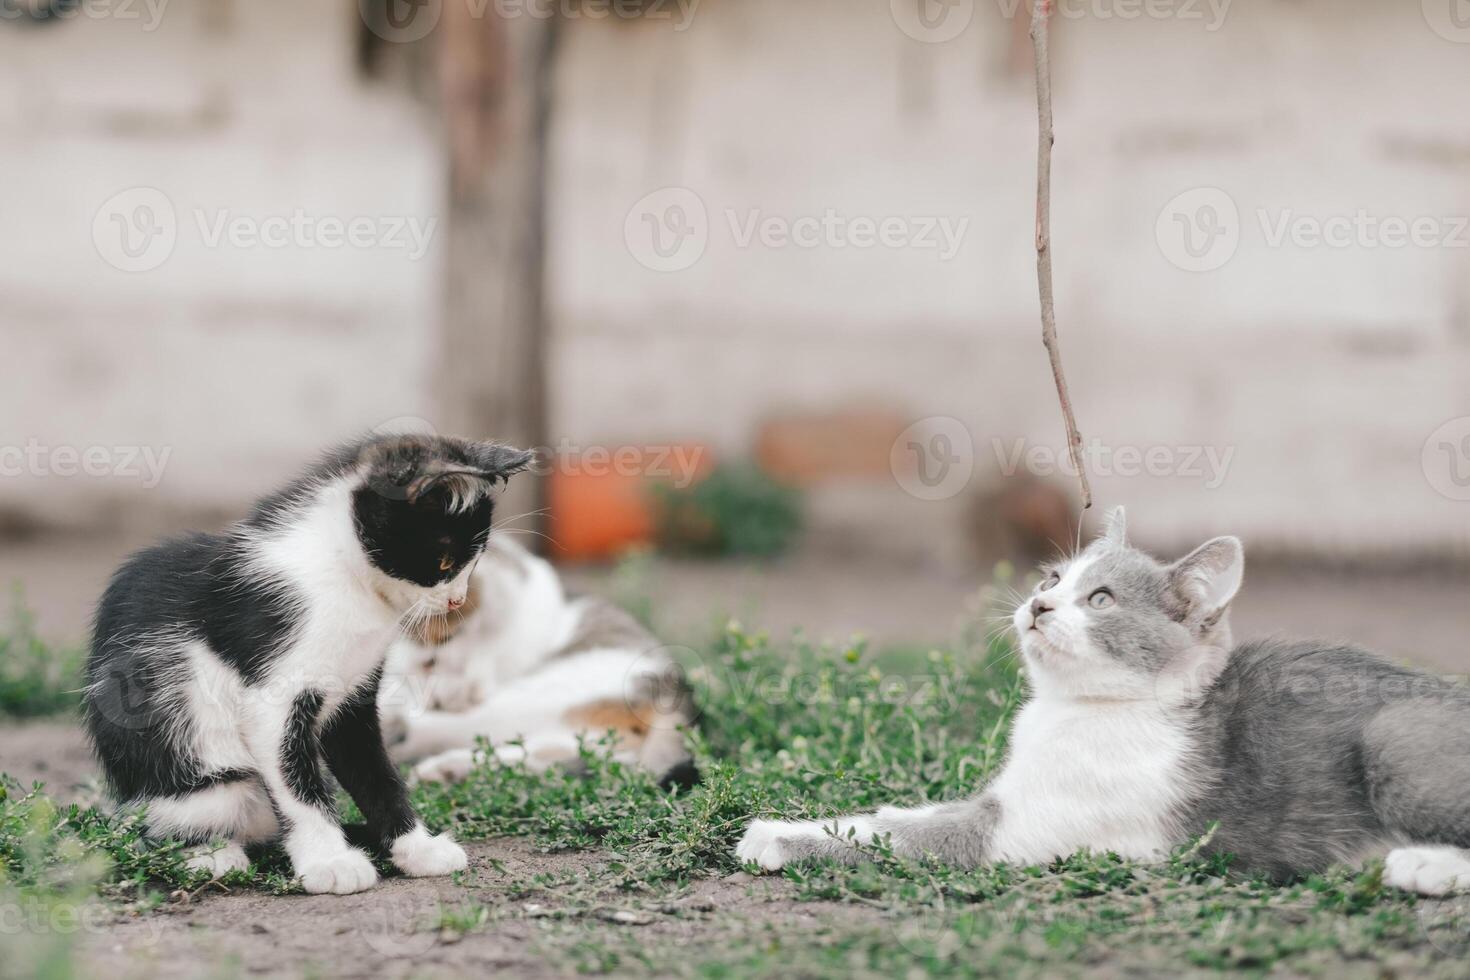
(352, 742)
(191, 589)
(300, 752)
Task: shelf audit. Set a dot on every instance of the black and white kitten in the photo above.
(228, 670)
(1146, 724)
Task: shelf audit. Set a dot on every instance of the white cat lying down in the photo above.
(519, 662)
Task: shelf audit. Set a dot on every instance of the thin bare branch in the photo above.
(1040, 31)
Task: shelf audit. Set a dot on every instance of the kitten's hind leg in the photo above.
(237, 812)
(1416, 762)
(218, 860)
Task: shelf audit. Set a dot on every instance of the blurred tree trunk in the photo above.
(494, 77)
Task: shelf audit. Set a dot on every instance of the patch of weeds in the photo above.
(36, 679)
(462, 919)
(802, 731)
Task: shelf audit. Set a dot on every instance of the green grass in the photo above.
(794, 730)
(36, 679)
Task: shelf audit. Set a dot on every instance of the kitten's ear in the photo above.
(1210, 575)
(498, 462)
(1115, 527)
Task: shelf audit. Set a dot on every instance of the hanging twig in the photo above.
(1040, 24)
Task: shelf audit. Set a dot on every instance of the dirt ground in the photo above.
(392, 930)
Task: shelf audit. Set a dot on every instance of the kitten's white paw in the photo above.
(218, 861)
(1428, 870)
(447, 767)
(510, 755)
(341, 874)
(420, 854)
(763, 843)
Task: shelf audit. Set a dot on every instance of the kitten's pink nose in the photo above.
(456, 602)
(1039, 608)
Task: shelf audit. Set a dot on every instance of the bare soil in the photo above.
(393, 930)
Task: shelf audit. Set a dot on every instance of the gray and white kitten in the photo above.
(1147, 724)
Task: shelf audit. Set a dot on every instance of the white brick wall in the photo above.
(1325, 369)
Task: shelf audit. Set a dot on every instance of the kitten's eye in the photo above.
(446, 563)
(1051, 582)
(1101, 599)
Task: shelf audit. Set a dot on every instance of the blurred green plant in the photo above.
(738, 510)
(36, 679)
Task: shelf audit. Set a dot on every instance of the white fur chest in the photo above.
(1107, 776)
(346, 626)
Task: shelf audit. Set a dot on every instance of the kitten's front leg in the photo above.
(283, 739)
(956, 833)
(353, 743)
